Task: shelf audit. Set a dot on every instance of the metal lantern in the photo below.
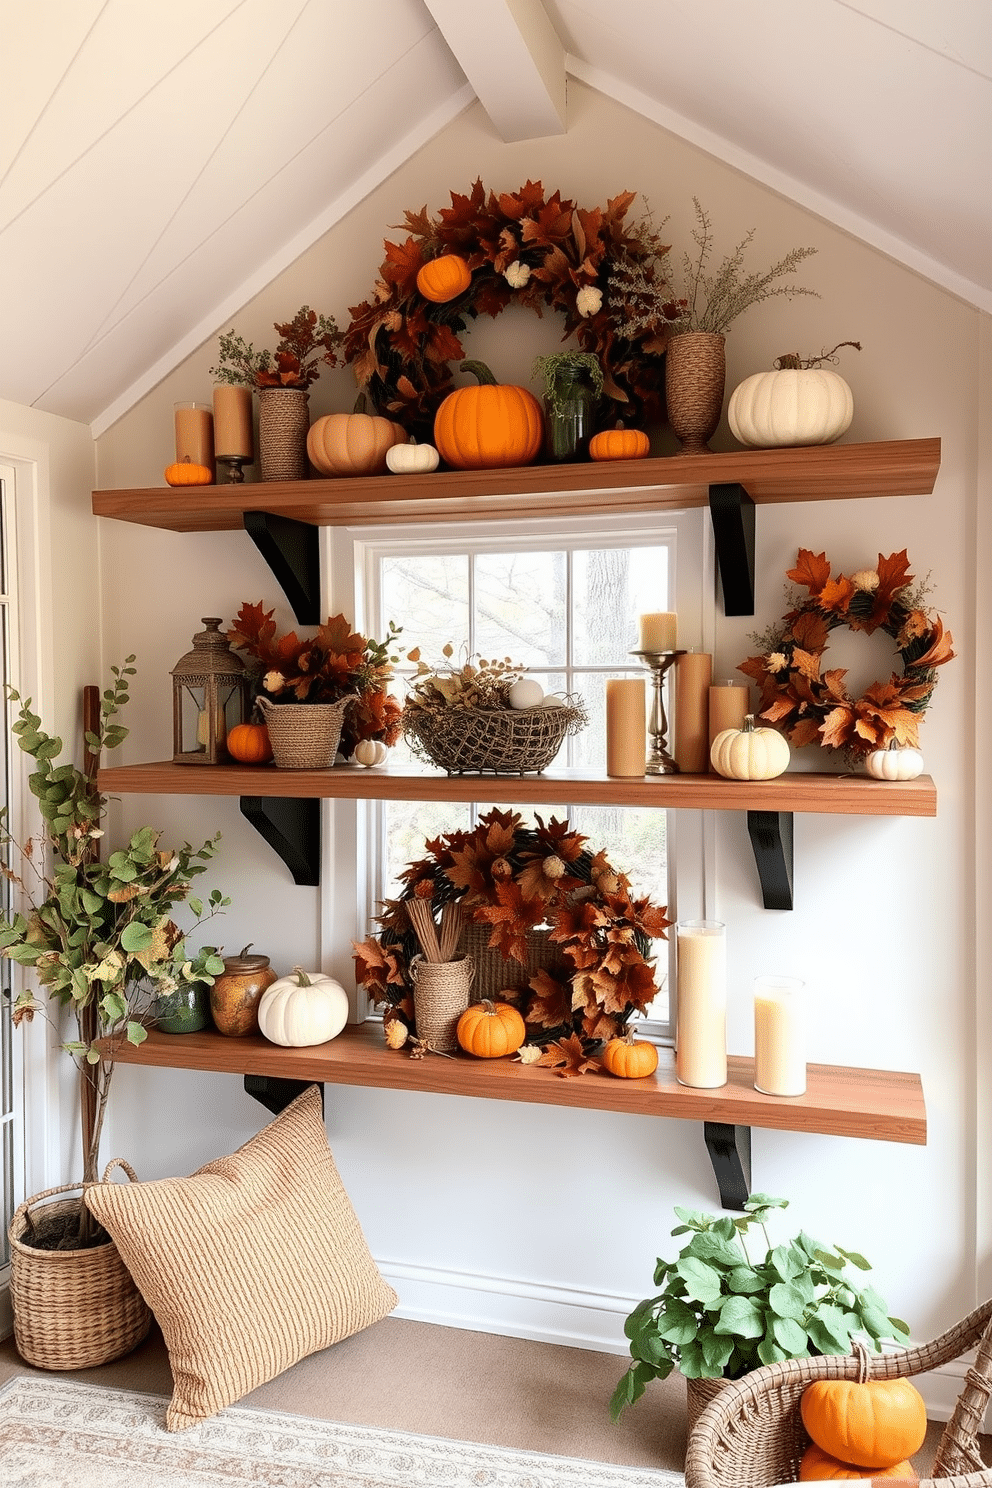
(209, 696)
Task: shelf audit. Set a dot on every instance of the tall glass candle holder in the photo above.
(779, 1035)
(701, 1017)
(660, 761)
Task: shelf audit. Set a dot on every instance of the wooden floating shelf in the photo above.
(882, 1105)
(816, 473)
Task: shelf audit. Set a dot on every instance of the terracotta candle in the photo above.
(727, 707)
(195, 434)
(626, 726)
(779, 1035)
(659, 632)
(701, 1018)
(693, 674)
(232, 421)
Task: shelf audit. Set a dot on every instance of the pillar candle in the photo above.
(691, 750)
(194, 434)
(626, 726)
(232, 421)
(727, 707)
(701, 1017)
(779, 1036)
(659, 632)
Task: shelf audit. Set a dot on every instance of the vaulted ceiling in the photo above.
(159, 163)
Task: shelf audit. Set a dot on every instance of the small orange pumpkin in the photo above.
(619, 444)
(816, 1466)
(489, 426)
(185, 473)
(444, 278)
(352, 443)
(249, 744)
(490, 1029)
(630, 1058)
(873, 1424)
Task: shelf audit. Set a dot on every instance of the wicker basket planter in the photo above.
(304, 736)
(506, 741)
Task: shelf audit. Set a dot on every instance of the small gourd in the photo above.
(630, 1058)
(817, 1466)
(369, 752)
(619, 444)
(872, 1423)
(185, 473)
(800, 403)
(249, 744)
(302, 1009)
(489, 1030)
(750, 753)
(444, 278)
(412, 459)
(488, 426)
(894, 763)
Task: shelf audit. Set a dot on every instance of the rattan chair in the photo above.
(751, 1434)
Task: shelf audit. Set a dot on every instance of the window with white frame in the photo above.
(562, 604)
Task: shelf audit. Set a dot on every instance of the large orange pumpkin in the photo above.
(875, 1424)
(489, 426)
(817, 1466)
(352, 443)
(444, 278)
(490, 1029)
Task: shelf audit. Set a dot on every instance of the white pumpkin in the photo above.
(412, 458)
(302, 1009)
(795, 405)
(750, 753)
(369, 752)
(894, 764)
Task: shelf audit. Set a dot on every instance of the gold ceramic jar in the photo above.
(236, 993)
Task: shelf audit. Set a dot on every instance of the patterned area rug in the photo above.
(55, 1433)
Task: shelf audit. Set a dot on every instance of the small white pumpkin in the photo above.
(894, 763)
(527, 692)
(412, 458)
(800, 403)
(369, 752)
(750, 753)
(302, 1009)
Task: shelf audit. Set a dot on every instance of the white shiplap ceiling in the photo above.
(159, 163)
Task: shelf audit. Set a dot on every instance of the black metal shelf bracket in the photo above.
(729, 1148)
(732, 514)
(771, 834)
(291, 549)
(275, 1093)
(291, 827)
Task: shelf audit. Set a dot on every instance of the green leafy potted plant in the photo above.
(573, 385)
(725, 1308)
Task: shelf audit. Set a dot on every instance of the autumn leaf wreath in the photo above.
(514, 879)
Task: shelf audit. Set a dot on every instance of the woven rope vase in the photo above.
(283, 425)
(73, 1309)
(304, 736)
(441, 993)
(695, 374)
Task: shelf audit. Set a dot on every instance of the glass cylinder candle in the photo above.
(195, 434)
(701, 1019)
(779, 1035)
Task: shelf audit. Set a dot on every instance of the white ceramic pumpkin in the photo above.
(750, 753)
(369, 752)
(412, 458)
(894, 763)
(302, 1009)
(799, 403)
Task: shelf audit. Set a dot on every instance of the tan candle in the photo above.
(232, 422)
(626, 726)
(659, 632)
(727, 707)
(779, 1036)
(195, 434)
(701, 1017)
(691, 750)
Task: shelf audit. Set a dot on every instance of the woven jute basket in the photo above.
(507, 741)
(73, 1309)
(496, 973)
(751, 1434)
(283, 425)
(304, 736)
(441, 993)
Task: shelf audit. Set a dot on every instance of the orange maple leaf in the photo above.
(811, 571)
(551, 1003)
(568, 1057)
(837, 594)
(836, 729)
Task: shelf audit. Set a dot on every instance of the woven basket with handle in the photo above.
(751, 1434)
(304, 736)
(73, 1309)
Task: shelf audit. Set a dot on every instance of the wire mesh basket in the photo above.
(505, 741)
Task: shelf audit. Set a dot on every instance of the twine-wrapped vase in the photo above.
(283, 425)
(695, 373)
(441, 993)
(304, 736)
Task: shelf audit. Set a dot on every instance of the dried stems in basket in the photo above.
(422, 920)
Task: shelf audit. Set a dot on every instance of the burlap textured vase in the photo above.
(441, 992)
(283, 425)
(695, 373)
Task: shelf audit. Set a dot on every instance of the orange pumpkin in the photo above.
(630, 1058)
(875, 1424)
(185, 473)
(619, 444)
(249, 744)
(490, 1029)
(352, 443)
(489, 426)
(817, 1466)
(444, 278)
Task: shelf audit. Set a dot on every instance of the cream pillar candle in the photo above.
(232, 422)
(194, 434)
(728, 707)
(659, 632)
(626, 726)
(779, 1035)
(693, 674)
(701, 1017)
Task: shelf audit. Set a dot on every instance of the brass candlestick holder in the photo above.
(660, 762)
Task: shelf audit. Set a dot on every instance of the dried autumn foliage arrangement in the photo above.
(514, 879)
(813, 707)
(323, 668)
(308, 342)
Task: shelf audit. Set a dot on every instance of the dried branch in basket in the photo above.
(422, 920)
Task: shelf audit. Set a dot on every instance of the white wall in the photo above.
(543, 1221)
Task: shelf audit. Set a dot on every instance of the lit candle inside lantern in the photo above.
(203, 727)
(779, 1036)
(659, 632)
(701, 1019)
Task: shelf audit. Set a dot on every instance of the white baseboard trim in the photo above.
(569, 1317)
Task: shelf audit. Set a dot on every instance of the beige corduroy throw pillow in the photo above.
(250, 1264)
